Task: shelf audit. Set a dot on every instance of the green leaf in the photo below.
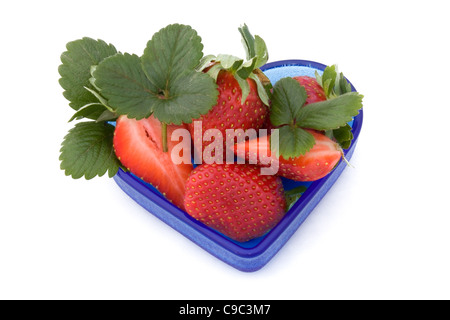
(123, 82)
(293, 195)
(333, 82)
(87, 150)
(245, 87)
(343, 136)
(230, 62)
(262, 53)
(190, 96)
(205, 62)
(128, 90)
(214, 71)
(287, 100)
(288, 110)
(248, 41)
(99, 97)
(343, 86)
(293, 142)
(90, 111)
(246, 69)
(263, 91)
(329, 79)
(107, 116)
(255, 47)
(330, 114)
(75, 69)
(172, 51)
(164, 81)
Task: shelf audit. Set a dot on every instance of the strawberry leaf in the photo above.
(75, 69)
(333, 82)
(329, 79)
(293, 195)
(342, 86)
(230, 62)
(287, 99)
(262, 53)
(293, 142)
(330, 114)
(163, 81)
(263, 89)
(123, 82)
(247, 68)
(289, 112)
(342, 135)
(191, 95)
(91, 111)
(255, 47)
(87, 150)
(172, 51)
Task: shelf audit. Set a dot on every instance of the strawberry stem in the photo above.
(164, 137)
(344, 158)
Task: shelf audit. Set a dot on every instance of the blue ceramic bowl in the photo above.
(254, 254)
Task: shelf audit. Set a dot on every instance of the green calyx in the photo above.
(256, 57)
(335, 84)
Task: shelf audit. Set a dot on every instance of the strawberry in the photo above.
(243, 100)
(230, 112)
(313, 89)
(235, 200)
(313, 165)
(138, 146)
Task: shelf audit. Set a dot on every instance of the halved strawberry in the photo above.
(313, 165)
(235, 199)
(138, 146)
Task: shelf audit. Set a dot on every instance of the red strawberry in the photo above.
(230, 112)
(138, 146)
(235, 199)
(313, 89)
(313, 165)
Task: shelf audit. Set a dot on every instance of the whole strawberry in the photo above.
(243, 100)
(230, 112)
(313, 89)
(235, 199)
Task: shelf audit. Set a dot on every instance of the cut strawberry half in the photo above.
(138, 145)
(313, 165)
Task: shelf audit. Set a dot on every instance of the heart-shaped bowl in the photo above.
(254, 254)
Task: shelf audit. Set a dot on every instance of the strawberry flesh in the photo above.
(235, 199)
(138, 145)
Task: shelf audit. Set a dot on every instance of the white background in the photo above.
(381, 232)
